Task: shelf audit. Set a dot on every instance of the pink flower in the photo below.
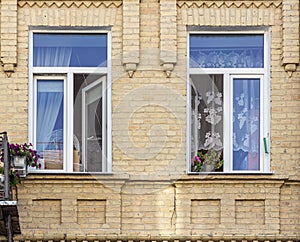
(196, 158)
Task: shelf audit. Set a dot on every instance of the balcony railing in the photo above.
(9, 221)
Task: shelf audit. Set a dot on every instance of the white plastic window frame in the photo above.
(67, 73)
(228, 75)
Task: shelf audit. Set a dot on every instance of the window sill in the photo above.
(247, 176)
(61, 175)
(232, 173)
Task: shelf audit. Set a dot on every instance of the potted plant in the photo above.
(21, 156)
(207, 161)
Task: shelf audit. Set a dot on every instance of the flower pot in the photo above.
(19, 163)
(208, 168)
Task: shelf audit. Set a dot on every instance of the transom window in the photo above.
(69, 101)
(228, 103)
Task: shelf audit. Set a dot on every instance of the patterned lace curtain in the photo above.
(207, 115)
(210, 113)
(246, 118)
(226, 51)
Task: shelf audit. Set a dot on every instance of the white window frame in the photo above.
(229, 74)
(68, 73)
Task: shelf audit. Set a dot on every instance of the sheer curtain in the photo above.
(246, 118)
(207, 119)
(210, 108)
(49, 93)
(49, 102)
(226, 51)
(52, 56)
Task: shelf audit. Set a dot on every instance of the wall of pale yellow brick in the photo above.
(149, 196)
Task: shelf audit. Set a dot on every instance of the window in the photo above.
(228, 102)
(69, 100)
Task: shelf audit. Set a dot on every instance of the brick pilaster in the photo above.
(290, 38)
(168, 34)
(131, 30)
(9, 35)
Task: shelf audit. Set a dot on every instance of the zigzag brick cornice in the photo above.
(59, 4)
(228, 4)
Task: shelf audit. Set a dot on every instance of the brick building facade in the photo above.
(147, 191)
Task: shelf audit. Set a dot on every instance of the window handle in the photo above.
(266, 146)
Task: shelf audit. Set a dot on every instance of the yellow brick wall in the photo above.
(149, 196)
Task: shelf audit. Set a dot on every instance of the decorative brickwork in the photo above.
(149, 197)
(168, 34)
(68, 4)
(290, 28)
(9, 35)
(131, 31)
(229, 4)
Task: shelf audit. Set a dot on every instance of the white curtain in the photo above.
(210, 112)
(246, 118)
(50, 92)
(52, 56)
(49, 101)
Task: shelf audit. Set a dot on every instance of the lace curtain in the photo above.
(210, 113)
(227, 58)
(207, 118)
(207, 115)
(246, 118)
(226, 51)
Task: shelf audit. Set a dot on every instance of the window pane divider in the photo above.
(68, 158)
(58, 70)
(227, 122)
(244, 71)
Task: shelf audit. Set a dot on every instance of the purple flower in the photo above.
(196, 158)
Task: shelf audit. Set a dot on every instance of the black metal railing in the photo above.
(6, 188)
(9, 221)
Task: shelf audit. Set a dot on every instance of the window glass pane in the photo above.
(88, 123)
(207, 123)
(69, 50)
(50, 122)
(246, 119)
(226, 51)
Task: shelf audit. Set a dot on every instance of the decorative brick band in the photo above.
(228, 4)
(68, 4)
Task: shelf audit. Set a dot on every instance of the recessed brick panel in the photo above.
(91, 211)
(46, 212)
(205, 212)
(250, 211)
